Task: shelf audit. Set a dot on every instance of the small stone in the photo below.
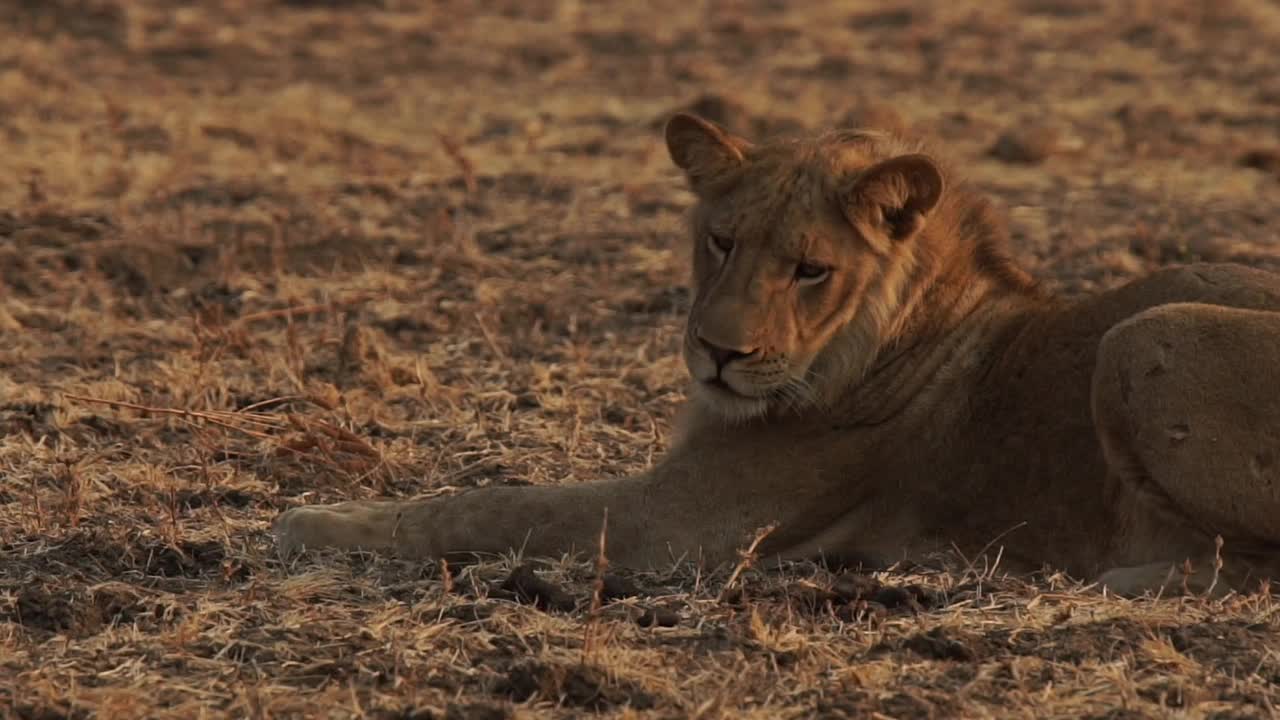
(658, 617)
(851, 586)
(913, 597)
(530, 588)
(938, 645)
(617, 586)
(1265, 159)
(1025, 146)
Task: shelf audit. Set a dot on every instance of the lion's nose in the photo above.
(722, 356)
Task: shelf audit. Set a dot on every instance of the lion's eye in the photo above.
(719, 244)
(809, 272)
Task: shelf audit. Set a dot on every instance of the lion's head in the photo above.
(808, 254)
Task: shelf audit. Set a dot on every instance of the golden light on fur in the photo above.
(864, 208)
(874, 376)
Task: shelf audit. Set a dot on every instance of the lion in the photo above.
(874, 377)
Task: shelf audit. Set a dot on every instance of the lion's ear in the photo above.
(705, 152)
(893, 198)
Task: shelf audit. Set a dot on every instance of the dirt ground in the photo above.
(255, 254)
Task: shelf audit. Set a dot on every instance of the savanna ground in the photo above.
(255, 254)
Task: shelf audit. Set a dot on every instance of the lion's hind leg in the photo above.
(1186, 401)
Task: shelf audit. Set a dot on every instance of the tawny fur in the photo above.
(873, 374)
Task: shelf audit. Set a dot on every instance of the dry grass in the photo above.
(255, 254)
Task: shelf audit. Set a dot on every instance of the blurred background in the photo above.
(1153, 115)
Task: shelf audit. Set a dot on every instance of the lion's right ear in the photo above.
(705, 152)
(893, 198)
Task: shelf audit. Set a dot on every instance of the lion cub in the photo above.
(872, 373)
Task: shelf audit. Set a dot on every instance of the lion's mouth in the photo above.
(718, 384)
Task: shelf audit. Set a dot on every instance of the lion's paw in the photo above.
(1136, 581)
(300, 528)
(1159, 579)
(352, 525)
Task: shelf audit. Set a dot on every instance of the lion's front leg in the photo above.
(543, 521)
(703, 502)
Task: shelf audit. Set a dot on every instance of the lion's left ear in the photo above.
(893, 198)
(703, 150)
